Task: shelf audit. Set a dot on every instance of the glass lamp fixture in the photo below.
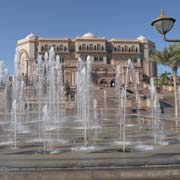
(163, 24)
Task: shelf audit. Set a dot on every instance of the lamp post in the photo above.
(163, 24)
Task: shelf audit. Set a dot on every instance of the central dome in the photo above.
(89, 35)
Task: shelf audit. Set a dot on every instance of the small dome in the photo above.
(142, 38)
(30, 35)
(113, 39)
(89, 35)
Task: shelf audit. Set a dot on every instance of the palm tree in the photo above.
(68, 90)
(164, 78)
(170, 57)
(146, 79)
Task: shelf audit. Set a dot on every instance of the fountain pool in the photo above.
(94, 137)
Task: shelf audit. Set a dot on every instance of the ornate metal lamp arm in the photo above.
(170, 40)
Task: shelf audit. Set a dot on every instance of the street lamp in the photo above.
(163, 24)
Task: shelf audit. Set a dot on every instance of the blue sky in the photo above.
(71, 18)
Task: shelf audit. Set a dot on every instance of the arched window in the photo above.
(25, 106)
(136, 49)
(61, 47)
(122, 49)
(23, 62)
(102, 48)
(91, 47)
(42, 48)
(54, 46)
(80, 48)
(104, 83)
(100, 59)
(98, 47)
(83, 47)
(95, 59)
(112, 83)
(119, 48)
(133, 48)
(71, 48)
(129, 49)
(134, 60)
(126, 48)
(115, 49)
(83, 57)
(95, 48)
(61, 59)
(87, 48)
(46, 47)
(57, 48)
(65, 48)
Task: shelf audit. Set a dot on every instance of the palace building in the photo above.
(105, 55)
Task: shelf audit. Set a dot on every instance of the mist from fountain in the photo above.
(105, 103)
(130, 77)
(84, 110)
(135, 87)
(88, 89)
(14, 121)
(17, 107)
(84, 98)
(49, 126)
(21, 104)
(3, 74)
(52, 89)
(17, 76)
(4, 83)
(79, 89)
(95, 112)
(125, 106)
(50, 93)
(119, 95)
(155, 112)
(45, 123)
(39, 88)
(60, 110)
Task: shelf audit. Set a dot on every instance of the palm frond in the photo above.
(170, 56)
